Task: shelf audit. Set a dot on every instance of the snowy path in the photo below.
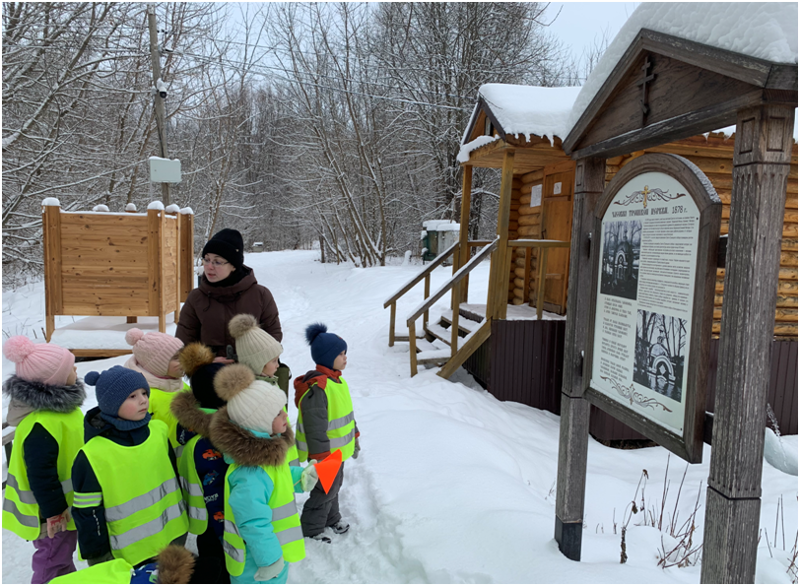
(453, 486)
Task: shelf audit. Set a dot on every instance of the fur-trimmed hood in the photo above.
(175, 565)
(61, 399)
(246, 448)
(190, 415)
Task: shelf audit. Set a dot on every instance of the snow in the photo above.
(107, 333)
(187, 211)
(155, 205)
(764, 30)
(131, 207)
(173, 209)
(451, 485)
(466, 149)
(51, 201)
(441, 226)
(101, 208)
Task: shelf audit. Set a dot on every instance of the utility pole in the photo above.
(159, 93)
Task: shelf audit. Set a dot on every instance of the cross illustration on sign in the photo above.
(647, 77)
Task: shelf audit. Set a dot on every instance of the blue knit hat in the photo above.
(325, 347)
(115, 385)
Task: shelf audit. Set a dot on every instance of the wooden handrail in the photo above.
(538, 243)
(421, 275)
(456, 278)
(478, 243)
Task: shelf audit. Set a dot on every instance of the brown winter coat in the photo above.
(208, 310)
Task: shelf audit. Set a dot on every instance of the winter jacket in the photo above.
(314, 409)
(250, 486)
(208, 460)
(208, 310)
(39, 448)
(93, 538)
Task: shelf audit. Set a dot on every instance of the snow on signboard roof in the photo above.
(523, 111)
(764, 30)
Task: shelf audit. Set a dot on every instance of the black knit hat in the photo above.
(228, 244)
(202, 383)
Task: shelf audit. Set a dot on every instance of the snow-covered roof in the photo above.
(441, 225)
(764, 30)
(524, 110)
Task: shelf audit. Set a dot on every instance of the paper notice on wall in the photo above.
(536, 196)
(557, 188)
(644, 316)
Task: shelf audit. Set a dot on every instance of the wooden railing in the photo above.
(452, 284)
(424, 274)
(544, 246)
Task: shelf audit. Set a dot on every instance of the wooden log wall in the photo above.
(526, 221)
(714, 157)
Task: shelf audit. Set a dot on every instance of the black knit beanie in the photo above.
(202, 383)
(228, 244)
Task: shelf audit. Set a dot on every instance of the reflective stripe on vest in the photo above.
(285, 521)
(341, 430)
(20, 509)
(143, 501)
(193, 489)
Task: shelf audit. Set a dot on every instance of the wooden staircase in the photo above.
(434, 348)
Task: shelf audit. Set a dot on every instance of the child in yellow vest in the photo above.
(259, 351)
(262, 527)
(46, 397)
(325, 423)
(156, 357)
(128, 502)
(174, 565)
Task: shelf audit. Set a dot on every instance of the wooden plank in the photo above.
(501, 254)
(463, 235)
(53, 294)
(98, 353)
(466, 350)
(763, 153)
(153, 260)
(434, 264)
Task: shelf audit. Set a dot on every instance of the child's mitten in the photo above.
(266, 573)
(356, 450)
(309, 477)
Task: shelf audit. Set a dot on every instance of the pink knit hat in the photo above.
(153, 350)
(43, 363)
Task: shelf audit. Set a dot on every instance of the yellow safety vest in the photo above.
(160, 402)
(20, 509)
(192, 486)
(292, 456)
(341, 421)
(113, 572)
(144, 507)
(285, 521)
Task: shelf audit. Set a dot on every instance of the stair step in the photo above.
(425, 346)
(442, 334)
(465, 324)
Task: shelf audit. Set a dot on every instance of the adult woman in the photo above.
(227, 288)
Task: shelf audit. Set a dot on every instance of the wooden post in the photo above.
(761, 164)
(186, 269)
(574, 431)
(131, 319)
(154, 252)
(542, 281)
(526, 287)
(427, 294)
(463, 234)
(53, 303)
(158, 99)
(455, 296)
(412, 347)
(392, 315)
(499, 271)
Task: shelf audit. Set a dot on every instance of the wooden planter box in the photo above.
(116, 264)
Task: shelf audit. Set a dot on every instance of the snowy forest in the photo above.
(294, 123)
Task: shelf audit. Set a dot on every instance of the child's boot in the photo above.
(321, 537)
(340, 527)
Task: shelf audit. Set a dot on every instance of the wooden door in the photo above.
(557, 225)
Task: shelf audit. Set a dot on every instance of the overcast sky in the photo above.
(579, 23)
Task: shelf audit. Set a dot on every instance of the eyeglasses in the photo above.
(215, 263)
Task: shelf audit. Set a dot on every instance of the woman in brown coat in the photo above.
(227, 288)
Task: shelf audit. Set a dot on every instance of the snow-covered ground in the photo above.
(453, 485)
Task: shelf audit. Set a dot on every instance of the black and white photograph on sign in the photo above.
(660, 353)
(621, 248)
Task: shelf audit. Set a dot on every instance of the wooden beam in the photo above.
(463, 235)
(762, 158)
(574, 426)
(501, 273)
(469, 347)
(51, 224)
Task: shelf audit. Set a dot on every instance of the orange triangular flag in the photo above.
(328, 469)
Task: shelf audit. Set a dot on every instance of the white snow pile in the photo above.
(441, 226)
(524, 111)
(131, 207)
(51, 201)
(155, 205)
(765, 30)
